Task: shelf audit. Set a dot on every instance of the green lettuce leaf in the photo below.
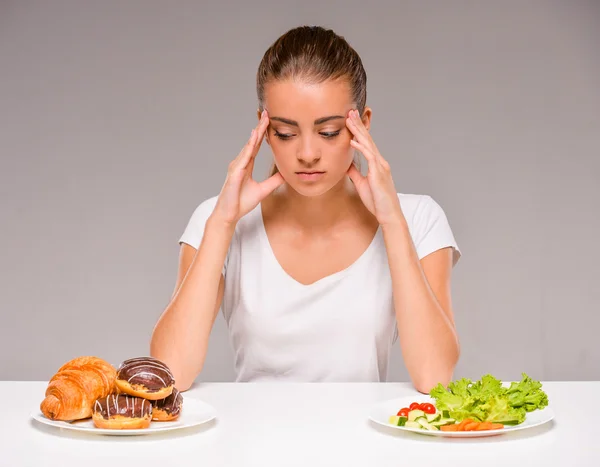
(488, 400)
(446, 400)
(499, 410)
(527, 394)
(486, 387)
(460, 387)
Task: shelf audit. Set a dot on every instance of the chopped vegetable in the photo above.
(427, 408)
(487, 400)
(474, 406)
(471, 425)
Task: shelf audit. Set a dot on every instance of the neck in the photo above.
(318, 212)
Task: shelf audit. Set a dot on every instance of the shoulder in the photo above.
(428, 224)
(194, 230)
(417, 206)
(205, 207)
(197, 221)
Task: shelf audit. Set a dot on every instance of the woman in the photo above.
(318, 269)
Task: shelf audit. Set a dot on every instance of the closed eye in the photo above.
(326, 135)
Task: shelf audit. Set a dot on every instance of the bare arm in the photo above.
(421, 289)
(180, 337)
(423, 309)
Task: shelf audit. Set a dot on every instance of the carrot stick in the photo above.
(462, 424)
(453, 427)
(485, 426)
(472, 426)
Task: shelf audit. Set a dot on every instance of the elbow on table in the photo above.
(437, 373)
(426, 385)
(184, 384)
(425, 382)
(184, 378)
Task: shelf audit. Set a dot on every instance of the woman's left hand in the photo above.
(376, 189)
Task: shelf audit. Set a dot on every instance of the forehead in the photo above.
(298, 99)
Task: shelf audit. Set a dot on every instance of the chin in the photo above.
(311, 190)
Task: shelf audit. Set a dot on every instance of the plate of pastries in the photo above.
(139, 396)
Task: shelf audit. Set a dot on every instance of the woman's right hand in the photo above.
(241, 193)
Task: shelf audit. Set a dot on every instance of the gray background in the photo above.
(118, 118)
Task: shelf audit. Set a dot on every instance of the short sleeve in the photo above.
(431, 229)
(194, 231)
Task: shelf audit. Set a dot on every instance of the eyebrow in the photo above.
(318, 121)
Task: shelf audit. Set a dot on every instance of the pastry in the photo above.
(74, 388)
(122, 412)
(145, 377)
(167, 409)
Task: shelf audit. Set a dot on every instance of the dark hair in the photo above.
(315, 54)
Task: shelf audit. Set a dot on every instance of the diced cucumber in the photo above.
(445, 414)
(425, 424)
(412, 424)
(397, 421)
(433, 417)
(444, 421)
(414, 414)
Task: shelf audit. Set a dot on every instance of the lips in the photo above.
(310, 176)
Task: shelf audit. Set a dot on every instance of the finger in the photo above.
(263, 124)
(247, 147)
(357, 126)
(267, 186)
(364, 141)
(259, 133)
(360, 131)
(355, 174)
(251, 147)
(254, 152)
(371, 159)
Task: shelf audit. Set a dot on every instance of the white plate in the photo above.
(381, 413)
(193, 412)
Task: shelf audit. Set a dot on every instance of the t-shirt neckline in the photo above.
(324, 280)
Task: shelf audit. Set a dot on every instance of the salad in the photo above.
(473, 406)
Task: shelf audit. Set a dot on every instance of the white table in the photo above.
(288, 424)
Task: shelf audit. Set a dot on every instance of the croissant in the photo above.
(73, 390)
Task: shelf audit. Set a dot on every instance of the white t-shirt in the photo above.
(340, 328)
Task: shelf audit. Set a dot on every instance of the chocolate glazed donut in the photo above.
(169, 408)
(145, 377)
(122, 412)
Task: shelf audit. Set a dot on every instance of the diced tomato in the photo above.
(414, 406)
(403, 412)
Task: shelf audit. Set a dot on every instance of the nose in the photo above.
(308, 153)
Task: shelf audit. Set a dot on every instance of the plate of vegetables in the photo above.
(467, 408)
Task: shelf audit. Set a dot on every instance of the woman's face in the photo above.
(308, 133)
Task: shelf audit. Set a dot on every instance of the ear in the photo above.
(366, 117)
(258, 114)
